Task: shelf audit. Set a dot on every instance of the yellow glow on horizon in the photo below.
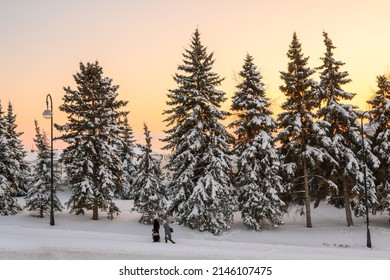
(139, 45)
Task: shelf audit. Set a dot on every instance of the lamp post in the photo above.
(365, 182)
(48, 114)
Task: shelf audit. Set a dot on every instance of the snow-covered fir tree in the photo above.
(18, 154)
(8, 189)
(92, 157)
(203, 195)
(148, 192)
(299, 132)
(38, 197)
(380, 137)
(343, 129)
(257, 177)
(128, 158)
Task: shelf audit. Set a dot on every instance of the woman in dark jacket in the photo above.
(156, 231)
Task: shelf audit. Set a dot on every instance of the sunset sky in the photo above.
(139, 44)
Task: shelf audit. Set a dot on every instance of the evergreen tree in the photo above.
(343, 129)
(8, 189)
(128, 159)
(203, 196)
(258, 163)
(380, 124)
(148, 193)
(299, 133)
(38, 197)
(19, 172)
(92, 157)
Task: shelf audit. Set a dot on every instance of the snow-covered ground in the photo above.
(24, 237)
(108, 247)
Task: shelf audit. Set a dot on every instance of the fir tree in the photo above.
(345, 145)
(258, 163)
(19, 172)
(380, 136)
(298, 131)
(203, 196)
(8, 189)
(148, 192)
(38, 197)
(128, 159)
(92, 158)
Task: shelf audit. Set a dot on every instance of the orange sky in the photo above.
(139, 45)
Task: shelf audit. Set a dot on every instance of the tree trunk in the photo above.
(307, 195)
(347, 204)
(95, 212)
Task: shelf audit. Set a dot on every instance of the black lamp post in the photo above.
(365, 183)
(48, 114)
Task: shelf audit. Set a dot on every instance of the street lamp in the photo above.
(365, 182)
(48, 114)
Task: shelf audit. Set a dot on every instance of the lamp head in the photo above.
(47, 114)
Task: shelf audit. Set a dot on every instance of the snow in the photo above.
(106, 247)
(24, 237)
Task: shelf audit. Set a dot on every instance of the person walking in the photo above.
(156, 231)
(168, 232)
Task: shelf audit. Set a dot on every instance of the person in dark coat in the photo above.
(168, 235)
(156, 231)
